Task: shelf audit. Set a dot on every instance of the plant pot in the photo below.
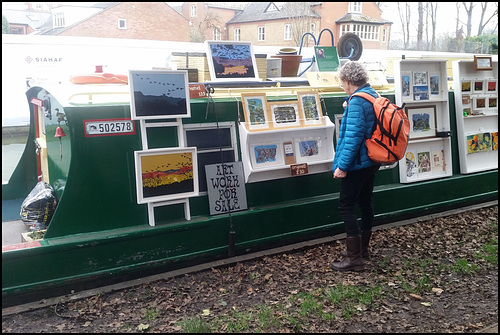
(289, 64)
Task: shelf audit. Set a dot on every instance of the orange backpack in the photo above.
(390, 131)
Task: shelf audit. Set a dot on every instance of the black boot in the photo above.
(353, 260)
(365, 242)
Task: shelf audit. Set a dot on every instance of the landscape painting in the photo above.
(231, 60)
(159, 94)
(166, 174)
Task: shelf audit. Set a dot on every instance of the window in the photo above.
(193, 11)
(59, 20)
(355, 7)
(313, 29)
(288, 32)
(122, 24)
(364, 31)
(261, 34)
(237, 34)
(384, 35)
(216, 34)
(17, 30)
(214, 145)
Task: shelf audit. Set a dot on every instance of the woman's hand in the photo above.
(339, 174)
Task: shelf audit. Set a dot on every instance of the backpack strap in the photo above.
(365, 95)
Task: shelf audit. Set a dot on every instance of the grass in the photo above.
(298, 311)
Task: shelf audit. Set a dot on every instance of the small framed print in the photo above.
(310, 108)
(482, 63)
(466, 85)
(435, 84)
(480, 103)
(491, 86)
(478, 86)
(438, 161)
(424, 165)
(266, 154)
(255, 111)
(308, 149)
(420, 92)
(420, 78)
(492, 102)
(406, 85)
(494, 141)
(422, 121)
(284, 114)
(465, 99)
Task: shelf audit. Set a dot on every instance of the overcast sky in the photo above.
(446, 14)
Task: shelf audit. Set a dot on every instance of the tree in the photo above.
(420, 26)
(432, 13)
(299, 15)
(404, 15)
(211, 21)
(484, 6)
(5, 25)
(468, 10)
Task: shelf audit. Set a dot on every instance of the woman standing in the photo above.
(354, 168)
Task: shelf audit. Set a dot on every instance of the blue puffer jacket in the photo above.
(356, 126)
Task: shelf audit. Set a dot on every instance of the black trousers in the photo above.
(357, 189)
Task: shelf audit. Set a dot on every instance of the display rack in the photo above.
(422, 85)
(476, 98)
(310, 149)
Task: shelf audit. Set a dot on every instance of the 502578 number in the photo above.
(109, 127)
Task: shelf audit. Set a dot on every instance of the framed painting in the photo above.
(166, 174)
(480, 103)
(482, 63)
(255, 111)
(310, 108)
(494, 140)
(231, 61)
(266, 154)
(491, 86)
(435, 84)
(466, 85)
(478, 86)
(492, 102)
(424, 162)
(422, 121)
(159, 94)
(308, 149)
(284, 114)
(406, 85)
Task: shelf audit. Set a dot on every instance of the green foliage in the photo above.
(487, 39)
(5, 25)
(194, 325)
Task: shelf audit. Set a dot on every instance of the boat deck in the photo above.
(12, 225)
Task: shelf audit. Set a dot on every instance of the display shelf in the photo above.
(422, 86)
(476, 97)
(269, 155)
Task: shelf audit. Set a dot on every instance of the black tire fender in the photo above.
(347, 42)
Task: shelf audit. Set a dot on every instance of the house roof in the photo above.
(361, 19)
(33, 18)
(262, 11)
(228, 5)
(49, 30)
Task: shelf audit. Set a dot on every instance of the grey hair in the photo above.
(354, 72)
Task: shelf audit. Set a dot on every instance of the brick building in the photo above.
(262, 23)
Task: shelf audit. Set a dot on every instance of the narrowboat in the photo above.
(142, 190)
